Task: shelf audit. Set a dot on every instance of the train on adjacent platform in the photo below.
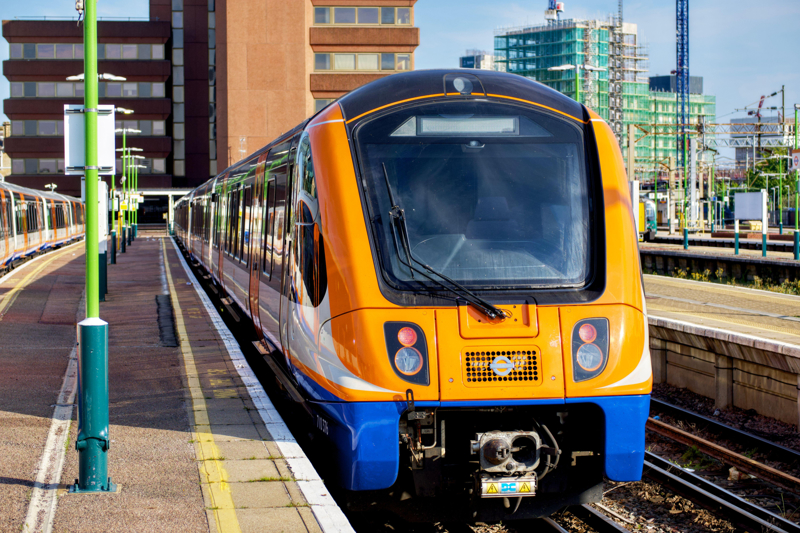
(32, 222)
(443, 268)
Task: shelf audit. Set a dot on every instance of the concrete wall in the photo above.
(736, 370)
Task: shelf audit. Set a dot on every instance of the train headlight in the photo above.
(408, 351)
(589, 348)
(408, 361)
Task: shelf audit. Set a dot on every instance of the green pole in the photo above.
(780, 196)
(92, 442)
(136, 211)
(713, 196)
(123, 237)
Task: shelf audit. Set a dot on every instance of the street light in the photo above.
(104, 76)
(567, 66)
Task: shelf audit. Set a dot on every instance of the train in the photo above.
(442, 268)
(33, 222)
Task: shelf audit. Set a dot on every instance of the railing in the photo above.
(116, 19)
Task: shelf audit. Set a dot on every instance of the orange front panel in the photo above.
(497, 368)
(623, 272)
(360, 345)
(626, 349)
(352, 280)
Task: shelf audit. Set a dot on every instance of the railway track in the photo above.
(742, 513)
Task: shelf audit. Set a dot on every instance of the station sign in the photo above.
(75, 140)
(794, 160)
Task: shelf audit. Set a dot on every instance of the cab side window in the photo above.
(310, 248)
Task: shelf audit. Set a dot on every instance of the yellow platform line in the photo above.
(211, 469)
(9, 297)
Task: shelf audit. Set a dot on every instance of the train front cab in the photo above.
(526, 206)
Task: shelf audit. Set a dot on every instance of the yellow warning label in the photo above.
(526, 487)
(492, 489)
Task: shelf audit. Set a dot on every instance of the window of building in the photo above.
(321, 103)
(321, 62)
(368, 15)
(46, 89)
(15, 50)
(45, 51)
(65, 90)
(362, 15)
(47, 127)
(47, 166)
(29, 51)
(344, 15)
(64, 51)
(16, 90)
(362, 62)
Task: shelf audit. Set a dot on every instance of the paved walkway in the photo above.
(759, 313)
(195, 443)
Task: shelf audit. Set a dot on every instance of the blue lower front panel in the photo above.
(625, 418)
(365, 435)
(365, 439)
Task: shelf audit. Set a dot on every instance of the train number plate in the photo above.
(500, 487)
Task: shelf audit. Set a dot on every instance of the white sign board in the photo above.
(794, 160)
(102, 219)
(75, 137)
(751, 206)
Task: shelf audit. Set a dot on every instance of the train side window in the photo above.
(244, 250)
(310, 248)
(268, 219)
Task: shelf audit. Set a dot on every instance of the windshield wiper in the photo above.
(399, 223)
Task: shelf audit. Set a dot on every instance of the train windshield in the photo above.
(494, 196)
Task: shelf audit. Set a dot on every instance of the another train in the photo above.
(32, 222)
(443, 268)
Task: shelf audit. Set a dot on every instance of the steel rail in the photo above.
(596, 520)
(742, 514)
(745, 464)
(748, 440)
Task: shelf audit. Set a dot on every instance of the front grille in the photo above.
(509, 366)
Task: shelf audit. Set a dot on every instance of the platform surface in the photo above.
(194, 444)
(759, 313)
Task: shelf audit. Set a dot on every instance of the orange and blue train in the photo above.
(442, 266)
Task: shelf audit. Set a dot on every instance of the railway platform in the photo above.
(196, 444)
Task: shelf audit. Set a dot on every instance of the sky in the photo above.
(742, 48)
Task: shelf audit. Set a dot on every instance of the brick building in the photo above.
(209, 81)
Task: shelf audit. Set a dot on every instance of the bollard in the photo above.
(685, 238)
(113, 247)
(103, 268)
(93, 442)
(763, 245)
(129, 232)
(135, 230)
(122, 241)
(796, 245)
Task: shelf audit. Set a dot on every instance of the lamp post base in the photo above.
(103, 281)
(113, 247)
(123, 241)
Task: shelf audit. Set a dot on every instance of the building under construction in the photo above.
(604, 65)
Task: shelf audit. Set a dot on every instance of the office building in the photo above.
(209, 81)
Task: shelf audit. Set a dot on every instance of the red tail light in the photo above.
(589, 348)
(407, 350)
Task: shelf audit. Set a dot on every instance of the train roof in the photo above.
(36, 192)
(420, 83)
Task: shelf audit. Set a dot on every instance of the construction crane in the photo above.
(682, 76)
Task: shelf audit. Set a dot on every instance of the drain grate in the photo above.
(167, 335)
(509, 366)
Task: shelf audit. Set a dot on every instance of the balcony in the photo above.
(336, 85)
(53, 108)
(59, 69)
(51, 31)
(368, 39)
(53, 147)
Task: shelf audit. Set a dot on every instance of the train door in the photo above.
(40, 208)
(53, 224)
(256, 242)
(68, 229)
(23, 222)
(224, 230)
(4, 226)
